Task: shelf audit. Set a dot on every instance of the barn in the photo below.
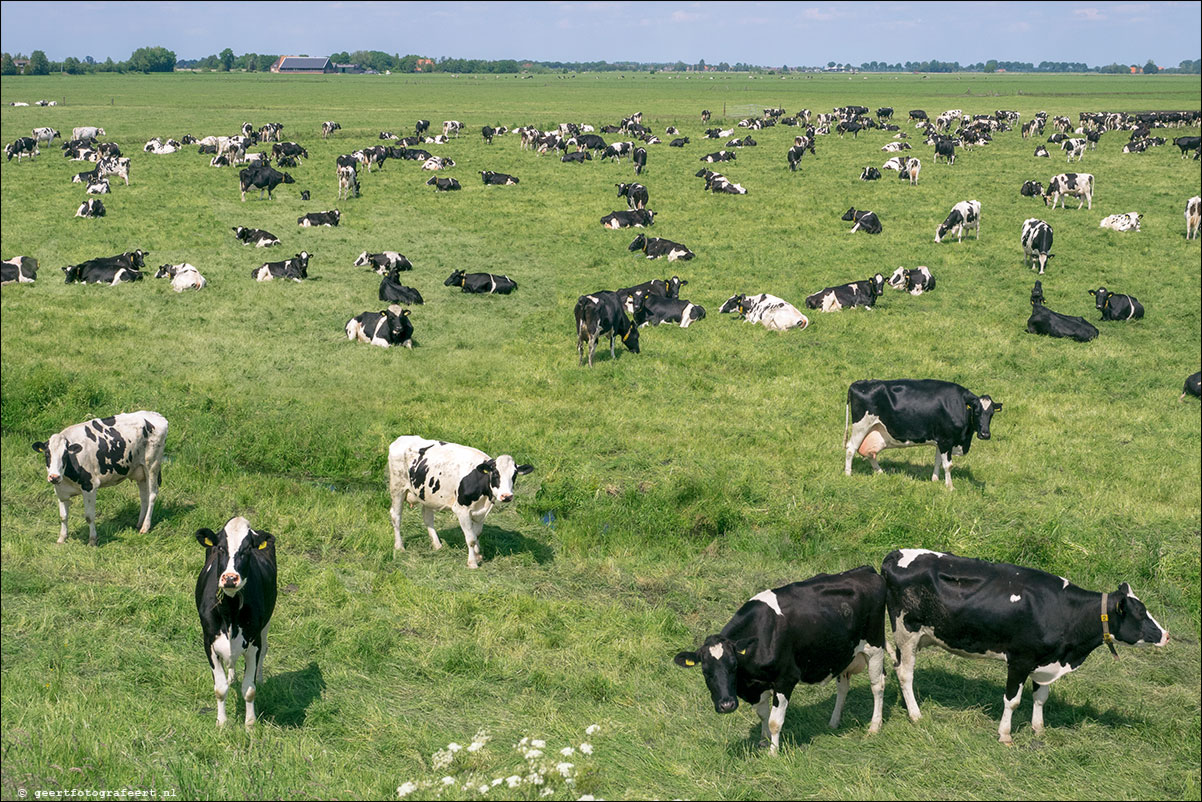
(302, 65)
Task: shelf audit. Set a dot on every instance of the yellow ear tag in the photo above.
(741, 651)
(690, 662)
(263, 545)
(208, 542)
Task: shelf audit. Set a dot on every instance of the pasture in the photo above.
(668, 486)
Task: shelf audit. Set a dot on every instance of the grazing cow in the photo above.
(1053, 324)
(481, 283)
(19, 270)
(885, 113)
(654, 247)
(262, 177)
(1031, 189)
(1193, 216)
(110, 270)
(328, 128)
(452, 127)
(946, 149)
(1040, 624)
(1075, 148)
(183, 277)
(296, 268)
(857, 293)
(679, 143)
(235, 597)
(1042, 152)
(636, 218)
(652, 310)
(827, 626)
(1117, 307)
(447, 476)
(255, 236)
(964, 215)
(1193, 386)
(1122, 222)
(775, 314)
(281, 149)
(579, 157)
(421, 127)
(45, 136)
(385, 328)
(864, 221)
(487, 132)
(383, 262)
(1079, 185)
(639, 157)
(1037, 242)
(915, 282)
(92, 207)
(1188, 143)
(101, 452)
(910, 169)
(635, 194)
(87, 132)
(870, 174)
(443, 184)
(705, 115)
(312, 219)
(603, 313)
(348, 182)
(917, 114)
(393, 291)
(906, 412)
(497, 179)
(21, 147)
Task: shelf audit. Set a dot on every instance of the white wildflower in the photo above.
(547, 792)
(567, 751)
(497, 781)
(538, 744)
(453, 747)
(484, 788)
(586, 748)
(476, 746)
(448, 780)
(535, 778)
(565, 769)
(406, 789)
(524, 741)
(513, 781)
(592, 728)
(533, 754)
(587, 798)
(442, 758)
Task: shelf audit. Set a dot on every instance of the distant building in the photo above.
(353, 69)
(302, 65)
(21, 64)
(424, 64)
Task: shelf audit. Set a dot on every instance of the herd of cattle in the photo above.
(826, 627)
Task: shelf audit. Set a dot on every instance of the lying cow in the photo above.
(636, 219)
(313, 219)
(915, 281)
(857, 293)
(1193, 386)
(385, 328)
(1031, 189)
(498, 179)
(775, 314)
(19, 270)
(1117, 307)
(1122, 222)
(654, 247)
(255, 236)
(384, 261)
(443, 184)
(481, 283)
(110, 270)
(652, 310)
(183, 277)
(864, 221)
(393, 291)
(1053, 324)
(870, 174)
(296, 268)
(92, 207)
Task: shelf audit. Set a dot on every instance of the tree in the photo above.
(227, 59)
(7, 67)
(152, 59)
(1150, 68)
(38, 63)
(991, 65)
(72, 66)
(830, 64)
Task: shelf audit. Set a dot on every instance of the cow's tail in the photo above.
(846, 419)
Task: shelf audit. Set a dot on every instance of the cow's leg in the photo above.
(249, 673)
(776, 720)
(428, 517)
(1040, 692)
(842, 683)
(89, 511)
(262, 654)
(394, 512)
(876, 678)
(764, 708)
(468, 525)
(152, 494)
(947, 469)
(938, 462)
(1014, 694)
(907, 654)
(64, 506)
(221, 684)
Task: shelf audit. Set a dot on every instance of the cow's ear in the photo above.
(523, 469)
(687, 659)
(744, 647)
(40, 448)
(262, 539)
(404, 313)
(206, 538)
(1094, 293)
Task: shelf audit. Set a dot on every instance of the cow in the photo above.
(328, 128)
(383, 262)
(443, 184)
(915, 281)
(87, 132)
(262, 177)
(1031, 189)
(1042, 152)
(296, 268)
(910, 170)
(1193, 216)
(101, 452)
(603, 313)
(393, 291)
(1128, 221)
(313, 219)
(896, 147)
(639, 157)
(92, 207)
(110, 270)
(447, 476)
(1075, 148)
(864, 221)
(666, 288)
(775, 314)
(716, 182)
(255, 236)
(1037, 242)
(452, 127)
(680, 142)
(421, 127)
(304, 195)
(1188, 143)
(870, 174)
(637, 218)
(281, 149)
(964, 215)
(1040, 624)
(946, 149)
(579, 157)
(857, 293)
(654, 247)
(825, 627)
(885, 113)
(497, 179)
(481, 283)
(44, 136)
(19, 270)
(437, 163)
(1193, 386)
(794, 154)
(1117, 307)
(635, 194)
(348, 182)
(705, 115)
(21, 147)
(183, 277)
(1079, 185)
(487, 132)
(1053, 324)
(719, 156)
(97, 186)
(917, 114)
(652, 310)
(385, 328)
(905, 412)
(235, 597)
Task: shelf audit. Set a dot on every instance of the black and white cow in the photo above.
(679, 142)
(1128, 221)
(498, 179)
(1040, 624)
(19, 270)
(719, 156)
(945, 149)
(281, 149)
(255, 236)
(1031, 189)
(481, 283)
(421, 127)
(101, 452)
(774, 314)
(487, 132)
(666, 288)
(1053, 324)
(964, 215)
(1078, 185)
(1193, 216)
(45, 136)
(296, 268)
(262, 178)
(348, 182)
(639, 157)
(452, 127)
(1193, 386)
(393, 291)
(443, 184)
(603, 313)
(1037, 243)
(915, 281)
(908, 412)
(111, 270)
(857, 293)
(385, 328)
(829, 626)
(383, 262)
(1188, 143)
(1117, 307)
(92, 207)
(1042, 152)
(235, 597)
(329, 127)
(635, 194)
(579, 157)
(718, 183)
(652, 310)
(1075, 148)
(313, 219)
(97, 185)
(910, 169)
(617, 150)
(438, 163)
(864, 221)
(896, 147)
(21, 147)
(183, 277)
(637, 218)
(654, 247)
(870, 174)
(447, 476)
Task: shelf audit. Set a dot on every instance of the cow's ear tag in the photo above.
(208, 542)
(263, 545)
(741, 651)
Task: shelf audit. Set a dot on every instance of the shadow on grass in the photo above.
(110, 527)
(496, 542)
(918, 470)
(291, 694)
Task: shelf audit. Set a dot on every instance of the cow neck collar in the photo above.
(1107, 638)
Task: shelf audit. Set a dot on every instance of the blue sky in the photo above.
(769, 33)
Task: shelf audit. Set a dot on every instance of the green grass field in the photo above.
(669, 486)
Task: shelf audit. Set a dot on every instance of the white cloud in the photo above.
(817, 15)
(1089, 14)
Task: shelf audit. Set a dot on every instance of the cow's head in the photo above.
(954, 219)
(719, 659)
(234, 551)
(492, 478)
(673, 286)
(288, 179)
(876, 285)
(735, 303)
(639, 244)
(62, 459)
(137, 258)
(456, 279)
(623, 189)
(1037, 294)
(362, 260)
(1101, 297)
(1130, 621)
(982, 412)
(165, 271)
(72, 273)
(301, 262)
(898, 280)
(850, 214)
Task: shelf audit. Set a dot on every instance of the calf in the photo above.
(443, 184)
(1122, 222)
(296, 268)
(101, 452)
(603, 313)
(870, 174)
(235, 597)
(654, 247)
(1040, 624)
(1079, 185)
(92, 207)
(915, 282)
(1117, 307)
(635, 194)
(965, 214)
(481, 283)
(21, 147)
(497, 179)
(255, 236)
(1037, 243)
(393, 291)
(857, 293)
(864, 221)
(447, 476)
(383, 262)
(1053, 324)
(385, 328)
(773, 313)
(183, 277)
(330, 218)
(637, 218)
(1031, 189)
(905, 412)
(110, 270)
(653, 310)
(262, 178)
(1193, 216)
(827, 626)
(19, 270)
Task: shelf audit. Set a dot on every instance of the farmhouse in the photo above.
(302, 65)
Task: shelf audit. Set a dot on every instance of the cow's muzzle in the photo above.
(230, 581)
(53, 478)
(505, 497)
(726, 705)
